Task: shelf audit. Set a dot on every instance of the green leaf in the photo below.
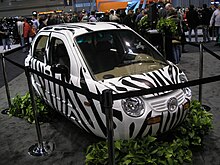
(89, 157)
(127, 162)
(170, 161)
(21, 107)
(118, 145)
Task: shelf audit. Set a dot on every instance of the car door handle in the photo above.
(47, 71)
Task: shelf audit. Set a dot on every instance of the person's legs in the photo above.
(4, 43)
(190, 33)
(217, 28)
(175, 54)
(196, 34)
(8, 43)
(207, 33)
(179, 52)
(183, 42)
(22, 43)
(218, 34)
(26, 41)
(204, 33)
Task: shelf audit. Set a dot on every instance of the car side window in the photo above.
(58, 53)
(39, 50)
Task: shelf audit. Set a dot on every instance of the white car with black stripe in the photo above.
(99, 56)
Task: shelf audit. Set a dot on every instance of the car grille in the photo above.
(161, 103)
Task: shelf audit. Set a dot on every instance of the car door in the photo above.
(59, 66)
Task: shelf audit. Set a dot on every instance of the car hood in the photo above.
(165, 76)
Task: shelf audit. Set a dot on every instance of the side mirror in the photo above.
(43, 51)
(62, 69)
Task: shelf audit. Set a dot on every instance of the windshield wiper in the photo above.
(129, 62)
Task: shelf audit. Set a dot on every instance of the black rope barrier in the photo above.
(3, 58)
(192, 44)
(129, 93)
(126, 94)
(211, 52)
(15, 49)
(205, 48)
(165, 88)
(66, 85)
(15, 63)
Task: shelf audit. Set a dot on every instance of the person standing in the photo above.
(92, 17)
(176, 42)
(20, 25)
(32, 32)
(26, 31)
(162, 12)
(183, 28)
(206, 16)
(113, 17)
(4, 31)
(128, 19)
(42, 23)
(192, 17)
(35, 23)
(75, 17)
(215, 20)
(84, 16)
(105, 18)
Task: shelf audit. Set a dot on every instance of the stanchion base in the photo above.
(206, 108)
(47, 149)
(5, 111)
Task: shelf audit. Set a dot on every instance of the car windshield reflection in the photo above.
(118, 53)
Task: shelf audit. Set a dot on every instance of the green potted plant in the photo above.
(166, 26)
(174, 147)
(143, 24)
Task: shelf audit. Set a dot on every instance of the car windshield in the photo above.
(116, 53)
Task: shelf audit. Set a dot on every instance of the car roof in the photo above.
(85, 27)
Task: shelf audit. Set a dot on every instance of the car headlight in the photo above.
(182, 78)
(186, 90)
(172, 104)
(133, 107)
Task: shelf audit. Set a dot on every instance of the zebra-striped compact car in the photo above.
(99, 56)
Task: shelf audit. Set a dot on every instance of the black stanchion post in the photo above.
(205, 107)
(107, 103)
(41, 148)
(5, 111)
(164, 45)
(200, 70)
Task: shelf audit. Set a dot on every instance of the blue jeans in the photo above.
(6, 41)
(176, 53)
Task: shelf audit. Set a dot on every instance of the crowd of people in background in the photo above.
(187, 19)
(19, 30)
